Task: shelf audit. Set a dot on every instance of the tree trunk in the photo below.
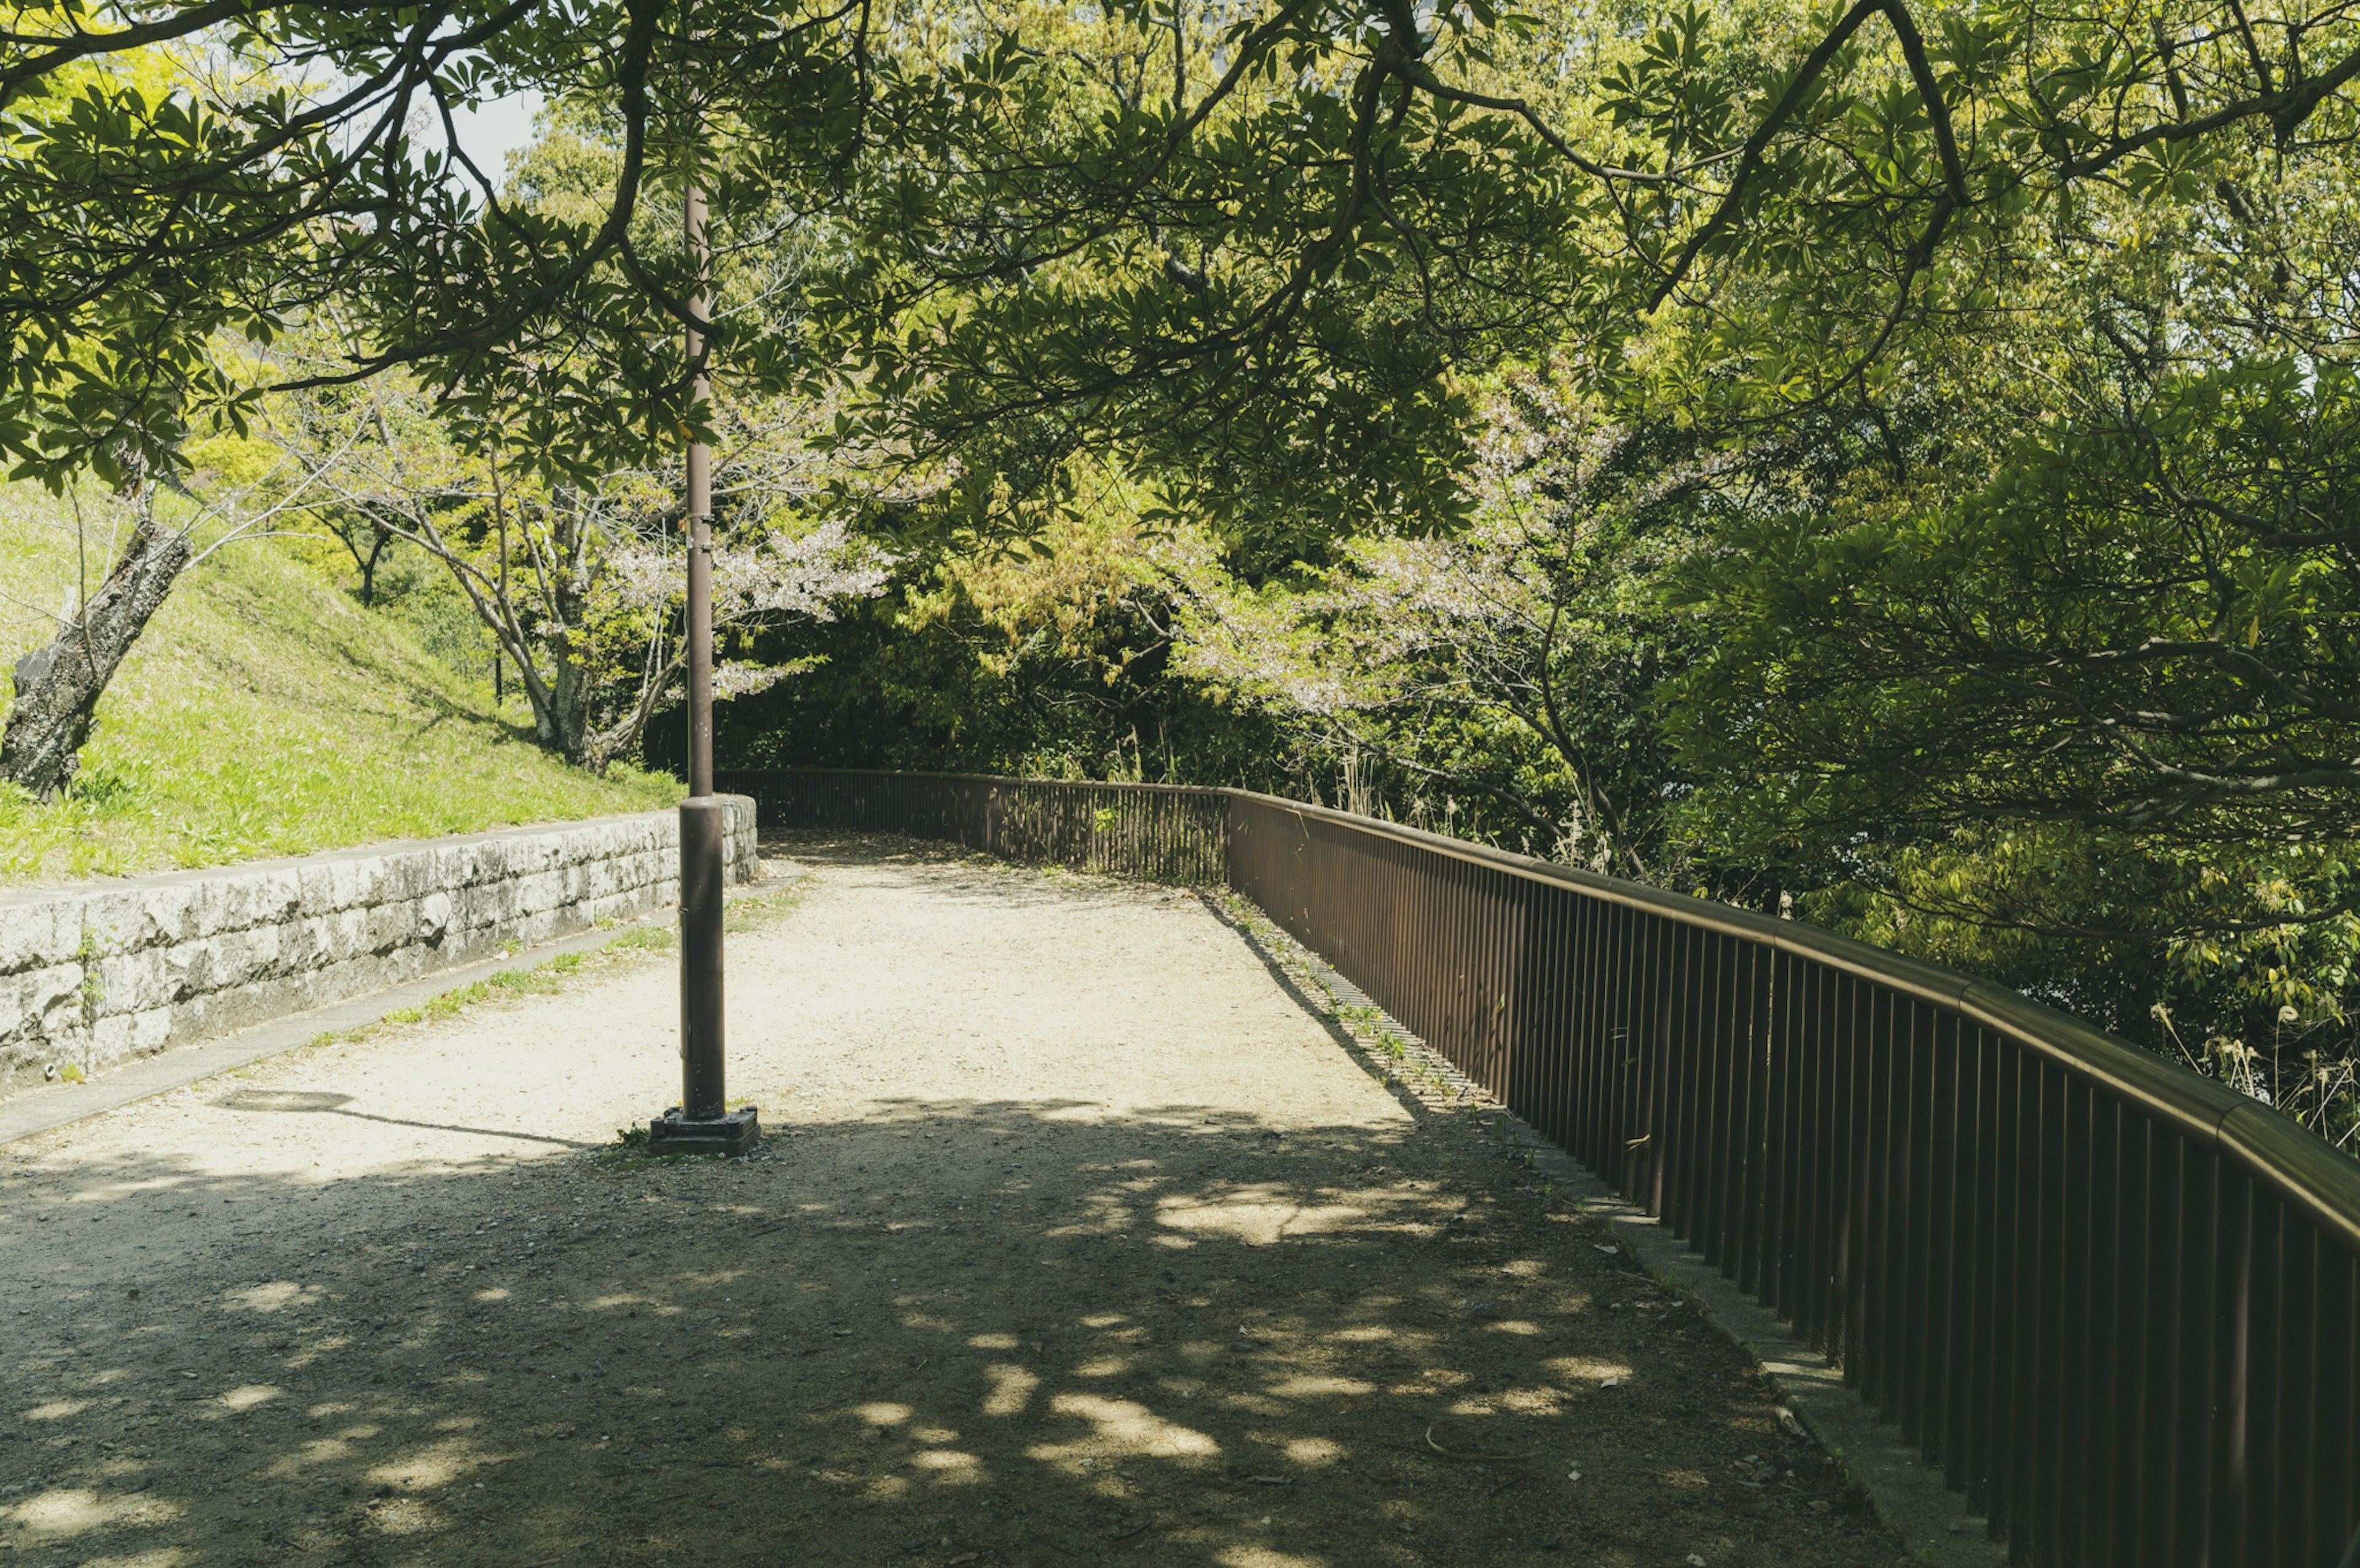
(59, 684)
(600, 749)
(571, 689)
(368, 569)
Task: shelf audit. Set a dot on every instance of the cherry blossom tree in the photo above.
(580, 579)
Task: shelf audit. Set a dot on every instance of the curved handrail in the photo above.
(2293, 1163)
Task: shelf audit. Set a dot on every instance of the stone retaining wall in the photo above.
(94, 974)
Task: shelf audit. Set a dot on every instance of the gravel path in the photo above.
(1079, 1236)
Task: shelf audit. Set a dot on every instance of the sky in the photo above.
(489, 133)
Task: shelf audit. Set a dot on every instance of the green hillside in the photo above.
(266, 714)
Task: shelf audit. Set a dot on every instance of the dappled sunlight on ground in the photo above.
(889, 1363)
(946, 1317)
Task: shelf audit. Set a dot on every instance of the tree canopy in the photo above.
(1886, 460)
(1249, 245)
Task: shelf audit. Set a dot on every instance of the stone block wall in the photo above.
(96, 973)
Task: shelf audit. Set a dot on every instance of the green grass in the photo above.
(540, 980)
(265, 713)
(745, 912)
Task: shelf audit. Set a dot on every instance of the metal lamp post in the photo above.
(702, 1123)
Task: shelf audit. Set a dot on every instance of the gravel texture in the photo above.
(1079, 1235)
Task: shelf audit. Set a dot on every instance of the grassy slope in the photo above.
(265, 714)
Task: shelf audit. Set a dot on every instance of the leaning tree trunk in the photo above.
(59, 684)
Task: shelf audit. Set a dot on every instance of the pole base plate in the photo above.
(732, 1132)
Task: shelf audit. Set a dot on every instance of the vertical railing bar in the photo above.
(2333, 1474)
(1648, 1118)
(1636, 1157)
(1868, 1194)
(2107, 1319)
(1537, 1038)
(2267, 1325)
(2140, 1267)
(1815, 996)
(1708, 1156)
(1934, 1106)
(1565, 915)
(2196, 1415)
(1843, 1017)
(1596, 1052)
(1580, 1044)
(1967, 1255)
(1744, 1137)
(1631, 1145)
(1675, 1096)
(1920, 1232)
(1495, 911)
(2077, 1258)
(1783, 1240)
(1726, 1138)
(2339, 1487)
(2233, 1330)
(1767, 1057)
(1608, 946)
(2016, 1277)
(1743, 1143)
(2042, 1401)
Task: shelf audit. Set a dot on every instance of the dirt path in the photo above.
(1079, 1238)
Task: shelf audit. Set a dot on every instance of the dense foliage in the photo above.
(1887, 461)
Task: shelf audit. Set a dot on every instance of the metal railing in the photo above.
(2118, 1304)
(1159, 831)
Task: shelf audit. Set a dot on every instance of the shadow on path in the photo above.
(305, 1102)
(943, 1328)
(958, 1333)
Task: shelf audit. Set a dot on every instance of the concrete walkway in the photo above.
(1080, 1236)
